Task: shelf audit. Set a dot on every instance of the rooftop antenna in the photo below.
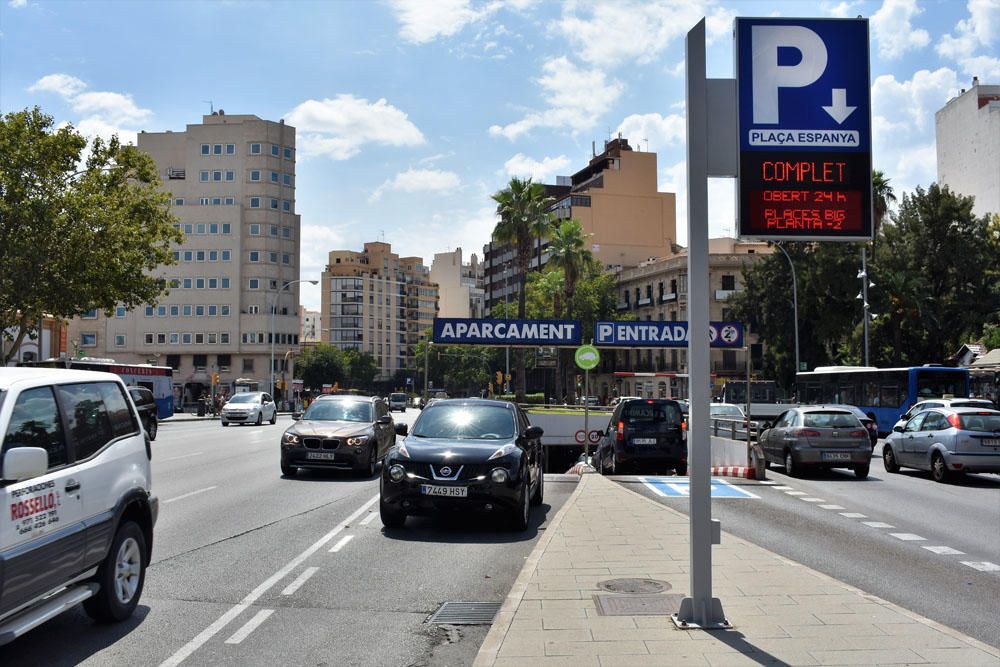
(211, 107)
(647, 143)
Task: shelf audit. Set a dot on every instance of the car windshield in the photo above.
(971, 404)
(726, 411)
(465, 422)
(830, 420)
(397, 397)
(343, 411)
(987, 423)
(649, 412)
(245, 398)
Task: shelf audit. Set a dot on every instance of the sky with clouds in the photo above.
(410, 113)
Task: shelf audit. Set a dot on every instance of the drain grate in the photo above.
(637, 605)
(634, 585)
(465, 613)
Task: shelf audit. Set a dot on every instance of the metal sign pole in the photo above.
(586, 416)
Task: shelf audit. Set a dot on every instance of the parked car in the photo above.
(78, 508)
(465, 454)
(251, 407)
(817, 437)
(920, 406)
(146, 405)
(618, 399)
(338, 432)
(397, 401)
(945, 441)
(725, 411)
(644, 432)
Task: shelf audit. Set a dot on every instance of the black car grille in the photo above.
(429, 470)
(320, 443)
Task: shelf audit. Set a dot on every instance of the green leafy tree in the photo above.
(568, 251)
(74, 239)
(360, 369)
(320, 364)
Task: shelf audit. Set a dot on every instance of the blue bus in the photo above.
(883, 393)
(158, 379)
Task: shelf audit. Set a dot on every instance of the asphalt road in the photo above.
(899, 540)
(250, 568)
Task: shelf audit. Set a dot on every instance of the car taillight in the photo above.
(955, 421)
(620, 433)
(858, 434)
(805, 433)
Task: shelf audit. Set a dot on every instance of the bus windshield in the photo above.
(938, 384)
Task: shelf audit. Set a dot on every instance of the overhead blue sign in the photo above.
(804, 93)
(468, 331)
(663, 334)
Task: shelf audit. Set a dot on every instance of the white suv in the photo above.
(76, 508)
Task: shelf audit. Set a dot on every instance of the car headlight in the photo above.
(506, 450)
(499, 476)
(357, 440)
(290, 438)
(396, 472)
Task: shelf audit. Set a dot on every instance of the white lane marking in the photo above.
(945, 551)
(832, 507)
(877, 524)
(185, 456)
(250, 626)
(812, 500)
(368, 519)
(982, 566)
(795, 493)
(783, 488)
(767, 482)
(301, 579)
(341, 544)
(908, 537)
(224, 620)
(854, 515)
(188, 495)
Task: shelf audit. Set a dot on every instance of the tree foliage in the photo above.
(73, 239)
(327, 364)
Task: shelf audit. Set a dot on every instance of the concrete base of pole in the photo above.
(708, 619)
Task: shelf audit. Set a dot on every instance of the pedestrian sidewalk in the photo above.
(782, 613)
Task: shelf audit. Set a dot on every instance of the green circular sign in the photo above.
(587, 357)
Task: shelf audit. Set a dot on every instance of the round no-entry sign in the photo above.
(587, 357)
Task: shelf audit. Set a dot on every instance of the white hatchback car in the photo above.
(931, 403)
(252, 407)
(78, 511)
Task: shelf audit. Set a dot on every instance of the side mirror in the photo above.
(533, 432)
(24, 463)
(765, 425)
(384, 420)
(296, 416)
(897, 429)
(402, 429)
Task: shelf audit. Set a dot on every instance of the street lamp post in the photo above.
(795, 305)
(865, 284)
(274, 307)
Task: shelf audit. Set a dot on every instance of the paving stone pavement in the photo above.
(783, 613)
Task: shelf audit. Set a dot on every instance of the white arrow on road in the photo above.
(838, 108)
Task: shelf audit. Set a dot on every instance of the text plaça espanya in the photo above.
(509, 330)
(807, 137)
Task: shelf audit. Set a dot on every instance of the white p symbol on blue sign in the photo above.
(769, 76)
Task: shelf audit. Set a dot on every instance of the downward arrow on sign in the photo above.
(838, 108)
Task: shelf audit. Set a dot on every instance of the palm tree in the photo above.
(521, 206)
(568, 251)
(882, 197)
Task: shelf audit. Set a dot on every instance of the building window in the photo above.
(224, 283)
(213, 228)
(203, 201)
(274, 177)
(199, 256)
(187, 310)
(230, 149)
(88, 339)
(224, 340)
(217, 149)
(230, 201)
(230, 175)
(216, 201)
(255, 174)
(212, 339)
(213, 283)
(286, 179)
(188, 255)
(253, 283)
(275, 150)
(199, 339)
(288, 153)
(199, 311)
(729, 282)
(175, 311)
(248, 365)
(186, 338)
(119, 340)
(254, 202)
(179, 201)
(199, 283)
(286, 258)
(175, 338)
(272, 257)
(224, 310)
(254, 309)
(205, 150)
(286, 205)
(148, 339)
(274, 204)
(254, 256)
(274, 230)
(254, 149)
(120, 311)
(161, 311)
(286, 232)
(213, 311)
(187, 283)
(254, 229)
(161, 339)
(227, 228)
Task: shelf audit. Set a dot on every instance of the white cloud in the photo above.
(540, 171)
(843, 10)
(115, 108)
(339, 127)
(17, 4)
(418, 180)
(446, 230)
(313, 257)
(423, 21)
(893, 31)
(576, 97)
(60, 84)
(978, 31)
(611, 32)
(660, 131)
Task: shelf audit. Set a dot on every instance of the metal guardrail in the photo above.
(734, 428)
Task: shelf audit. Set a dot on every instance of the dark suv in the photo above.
(146, 405)
(644, 432)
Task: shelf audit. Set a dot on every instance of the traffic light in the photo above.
(215, 378)
(499, 377)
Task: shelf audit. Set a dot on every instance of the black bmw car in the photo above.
(465, 454)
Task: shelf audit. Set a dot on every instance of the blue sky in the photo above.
(411, 113)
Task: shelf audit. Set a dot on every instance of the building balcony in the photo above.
(669, 297)
(723, 294)
(622, 305)
(644, 302)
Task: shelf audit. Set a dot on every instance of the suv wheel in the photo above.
(289, 471)
(260, 418)
(121, 576)
(151, 428)
(539, 495)
(390, 518)
(521, 516)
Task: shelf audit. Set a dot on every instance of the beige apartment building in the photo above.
(377, 302)
(658, 291)
(460, 285)
(232, 184)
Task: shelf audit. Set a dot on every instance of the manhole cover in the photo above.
(638, 605)
(634, 585)
(465, 613)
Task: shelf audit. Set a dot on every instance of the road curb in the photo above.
(490, 647)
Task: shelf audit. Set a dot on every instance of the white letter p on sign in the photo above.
(769, 76)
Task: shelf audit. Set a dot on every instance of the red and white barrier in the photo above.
(743, 472)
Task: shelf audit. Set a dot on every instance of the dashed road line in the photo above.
(341, 544)
(853, 515)
(767, 482)
(301, 579)
(908, 537)
(795, 493)
(877, 524)
(945, 551)
(784, 488)
(184, 456)
(982, 566)
(188, 495)
(368, 519)
(249, 626)
(812, 500)
(832, 507)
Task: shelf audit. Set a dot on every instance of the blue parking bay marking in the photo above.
(680, 487)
